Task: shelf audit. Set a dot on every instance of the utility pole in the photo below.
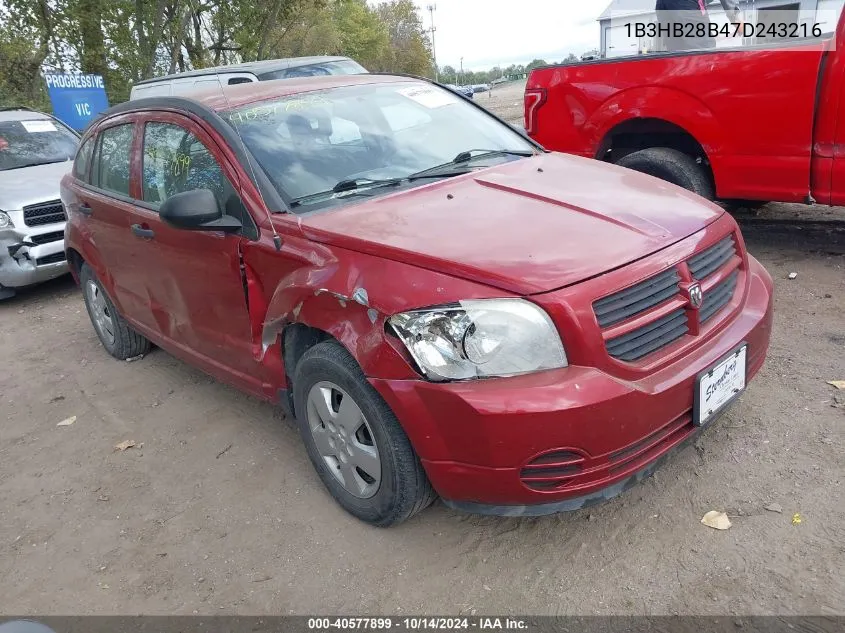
(462, 72)
(431, 9)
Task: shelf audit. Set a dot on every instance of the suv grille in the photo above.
(55, 258)
(718, 297)
(708, 262)
(46, 238)
(637, 299)
(649, 338)
(44, 213)
(656, 291)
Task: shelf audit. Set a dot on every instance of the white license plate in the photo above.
(718, 386)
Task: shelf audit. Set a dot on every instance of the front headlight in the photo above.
(6, 221)
(480, 339)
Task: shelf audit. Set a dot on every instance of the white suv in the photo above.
(36, 150)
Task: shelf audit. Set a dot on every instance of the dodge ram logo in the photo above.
(696, 296)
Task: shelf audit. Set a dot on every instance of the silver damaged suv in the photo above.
(36, 150)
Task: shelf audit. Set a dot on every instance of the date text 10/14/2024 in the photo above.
(418, 624)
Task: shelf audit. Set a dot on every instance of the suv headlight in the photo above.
(480, 339)
(6, 221)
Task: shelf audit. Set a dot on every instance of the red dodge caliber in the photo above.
(445, 308)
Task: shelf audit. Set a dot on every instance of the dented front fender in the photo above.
(347, 294)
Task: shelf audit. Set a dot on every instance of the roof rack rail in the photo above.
(10, 108)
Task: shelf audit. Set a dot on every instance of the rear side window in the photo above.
(112, 161)
(82, 165)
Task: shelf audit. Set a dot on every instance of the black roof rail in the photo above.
(10, 108)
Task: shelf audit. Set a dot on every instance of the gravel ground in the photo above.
(505, 101)
(217, 509)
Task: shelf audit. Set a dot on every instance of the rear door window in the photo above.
(112, 163)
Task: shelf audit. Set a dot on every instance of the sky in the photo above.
(489, 33)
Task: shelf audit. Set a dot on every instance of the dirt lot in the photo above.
(505, 101)
(217, 509)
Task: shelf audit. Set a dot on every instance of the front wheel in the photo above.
(672, 166)
(120, 340)
(354, 440)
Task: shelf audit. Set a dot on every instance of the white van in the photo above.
(205, 78)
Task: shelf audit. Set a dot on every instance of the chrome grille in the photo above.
(637, 299)
(649, 338)
(708, 262)
(44, 213)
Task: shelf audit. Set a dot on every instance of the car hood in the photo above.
(526, 226)
(30, 185)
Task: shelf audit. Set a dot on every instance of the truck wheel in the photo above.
(120, 340)
(354, 440)
(672, 166)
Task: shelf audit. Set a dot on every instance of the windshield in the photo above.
(308, 143)
(340, 67)
(34, 142)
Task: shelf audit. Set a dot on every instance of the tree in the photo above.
(410, 48)
(535, 64)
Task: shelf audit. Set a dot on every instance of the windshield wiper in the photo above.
(360, 186)
(470, 154)
(361, 183)
(356, 186)
(467, 156)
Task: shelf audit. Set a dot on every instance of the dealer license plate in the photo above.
(717, 387)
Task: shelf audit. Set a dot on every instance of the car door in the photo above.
(192, 279)
(105, 203)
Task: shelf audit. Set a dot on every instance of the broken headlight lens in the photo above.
(481, 339)
(6, 221)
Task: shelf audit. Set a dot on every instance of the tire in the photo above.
(672, 166)
(328, 374)
(124, 342)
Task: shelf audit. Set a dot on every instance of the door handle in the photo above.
(140, 231)
(85, 209)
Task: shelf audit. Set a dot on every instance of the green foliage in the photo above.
(129, 40)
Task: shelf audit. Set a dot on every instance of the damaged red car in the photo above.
(445, 308)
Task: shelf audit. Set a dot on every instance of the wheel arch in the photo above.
(657, 117)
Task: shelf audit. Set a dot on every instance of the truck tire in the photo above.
(672, 166)
(356, 444)
(120, 340)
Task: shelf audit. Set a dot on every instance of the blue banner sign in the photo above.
(76, 98)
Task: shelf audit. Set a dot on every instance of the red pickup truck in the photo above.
(751, 124)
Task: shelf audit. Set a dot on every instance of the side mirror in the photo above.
(197, 210)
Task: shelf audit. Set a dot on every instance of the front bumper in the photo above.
(24, 261)
(475, 438)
